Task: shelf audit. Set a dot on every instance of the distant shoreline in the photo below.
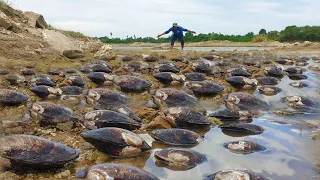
(210, 44)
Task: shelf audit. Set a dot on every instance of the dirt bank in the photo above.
(25, 35)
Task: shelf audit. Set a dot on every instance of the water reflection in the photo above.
(290, 153)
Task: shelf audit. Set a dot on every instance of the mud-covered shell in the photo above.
(284, 61)
(167, 67)
(76, 80)
(179, 59)
(15, 79)
(114, 171)
(267, 80)
(299, 84)
(223, 63)
(71, 90)
(236, 175)
(204, 88)
(56, 73)
(269, 90)
(315, 67)
(185, 117)
(123, 109)
(177, 137)
(241, 72)
(46, 76)
(44, 91)
(173, 97)
(301, 102)
(151, 58)
(101, 68)
(106, 97)
(132, 83)
(251, 62)
(242, 82)
(70, 71)
(35, 152)
(273, 71)
(180, 158)
(51, 113)
(138, 66)
(11, 97)
(294, 70)
(210, 57)
(96, 66)
(229, 115)
(243, 128)
(116, 142)
(71, 100)
(106, 118)
(100, 78)
(244, 101)
(203, 66)
(98, 61)
(4, 72)
(85, 69)
(43, 81)
(169, 77)
(28, 72)
(243, 147)
(127, 58)
(195, 76)
(301, 63)
(297, 77)
(304, 58)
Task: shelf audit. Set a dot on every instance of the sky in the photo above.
(143, 18)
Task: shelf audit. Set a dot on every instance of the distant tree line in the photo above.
(289, 34)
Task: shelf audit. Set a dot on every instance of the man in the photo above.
(177, 34)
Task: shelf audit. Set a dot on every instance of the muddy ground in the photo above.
(70, 136)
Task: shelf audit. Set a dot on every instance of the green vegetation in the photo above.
(263, 31)
(289, 34)
(66, 32)
(260, 38)
(305, 33)
(189, 37)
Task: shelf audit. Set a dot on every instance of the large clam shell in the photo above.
(36, 152)
(116, 142)
(114, 171)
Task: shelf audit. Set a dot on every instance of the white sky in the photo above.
(151, 17)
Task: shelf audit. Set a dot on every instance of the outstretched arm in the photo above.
(166, 32)
(184, 29)
(161, 34)
(193, 32)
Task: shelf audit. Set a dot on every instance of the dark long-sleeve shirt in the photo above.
(176, 32)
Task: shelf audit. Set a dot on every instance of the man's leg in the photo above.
(181, 41)
(173, 39)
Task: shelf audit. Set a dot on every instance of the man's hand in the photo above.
(193, 32)
(159, 36)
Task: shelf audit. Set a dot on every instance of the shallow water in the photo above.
(291, 153)
(193, 48)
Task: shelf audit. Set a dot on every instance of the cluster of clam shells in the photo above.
(110, 126)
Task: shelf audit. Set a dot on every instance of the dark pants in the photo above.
(175, 37)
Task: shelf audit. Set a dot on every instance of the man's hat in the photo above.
(175, 24)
